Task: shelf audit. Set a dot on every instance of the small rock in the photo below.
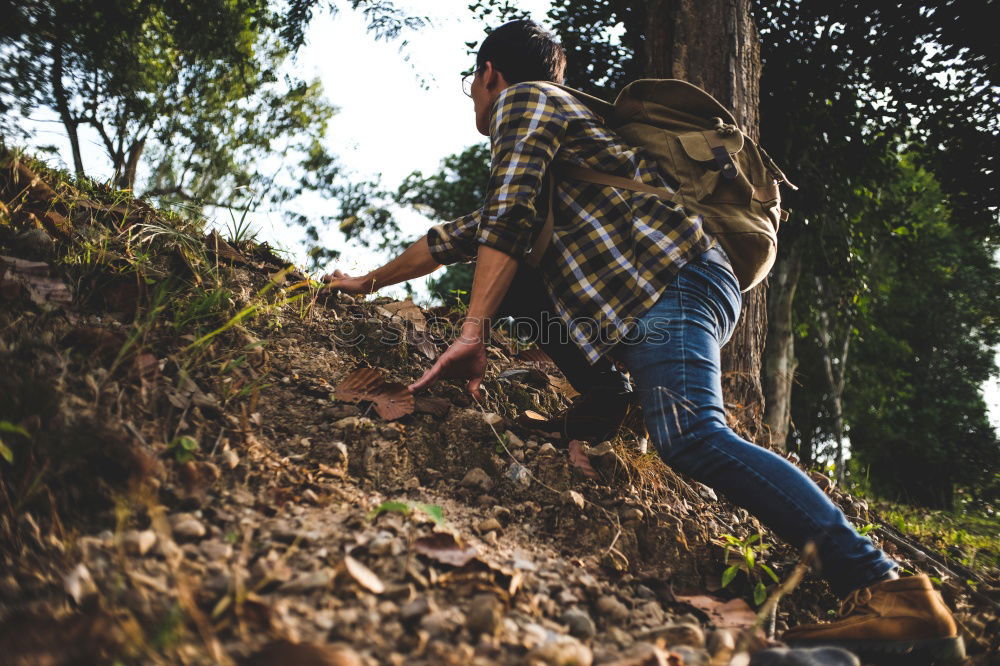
(308, 495)
(477, 478)
(488, 525)
(564, 651)
(314, 580)
(79, 584)
(676, 634)
(231, 458)
(338, 451)
(412, 611)
(493, 419)
(216, 550)
(547, 449)
(579, 623)
(620, 636)
(513, 441)
(719, 641)
(437, 624)
(519, 474)
(501, 513)
(186, 526)
(138, 542)
(574, 498)
(381, 545)
(412, 483)
(825, 656)
(643, 654)
(691, 656)
(631, 515)
(609, 607)
(485, 615)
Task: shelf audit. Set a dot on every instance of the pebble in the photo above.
(477, 478)
(339, 451)
(79, 584)
(579, 623)
(563, 651)
(611, 608)
(437, 623)
(631, 515)
(485, 615)
(414, 610)
(519, 474)
(620, 636)
(676, 634)
(488, 525)
(381, 545)
(314, 580)
(215, 550)
(492, 418)
(547, 449)
(186, 526)
(501, 513)
(574, 498)
(825, 656)
(513, 441)
(412, 483)
(138, 542)
(691, 656)
(720, 640)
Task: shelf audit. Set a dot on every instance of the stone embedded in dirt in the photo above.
(563, 651)
(488, 525)
(824, 656)
(308, 582)
(644, 654)
(382, 544)
(412, 611)
(492, 418)
(186, 526)
(339, 412)
(548, 449)
(138, 542)
(573, 498)
(216, 550)
(579, 623)
(620, 636)
(691, 656)
(676, 634)
(720, 641)
(513, 441)
(477, 478)
(339, 451)
(519, 474)
(485, 615)
(79, 584)
(438, 623)
(631, 515)
(609, 607)
(412, 483)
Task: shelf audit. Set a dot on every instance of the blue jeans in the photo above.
(673, 357)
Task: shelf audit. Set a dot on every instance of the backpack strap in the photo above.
(588, 176)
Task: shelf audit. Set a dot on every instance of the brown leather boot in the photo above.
(902, 621)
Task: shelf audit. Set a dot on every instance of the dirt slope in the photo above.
(185, 486)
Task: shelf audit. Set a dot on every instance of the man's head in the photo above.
(516, 51)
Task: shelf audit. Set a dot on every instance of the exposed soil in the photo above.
(187, 500)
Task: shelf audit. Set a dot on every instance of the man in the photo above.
(637, 279)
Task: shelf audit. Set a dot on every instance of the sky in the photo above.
(372, 83)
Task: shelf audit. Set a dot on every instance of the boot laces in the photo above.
(856, 602)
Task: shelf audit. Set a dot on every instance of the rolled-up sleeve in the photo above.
(525, 130)
(455, 241)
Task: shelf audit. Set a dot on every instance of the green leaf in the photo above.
(759, 593)
(7, 426)
(6, 453)
(398, 507)
(434, 511)
(751, 558)
(770, 572)
(729, 574)
(752, 539)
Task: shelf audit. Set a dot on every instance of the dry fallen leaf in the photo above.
(409, 311)
(364, 576)
(392, 400)
(446, 549)
(580, 460)
(35, 279)
(537, 357)
(423, 342)
(732, 614)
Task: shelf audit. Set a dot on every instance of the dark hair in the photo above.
(523, 51)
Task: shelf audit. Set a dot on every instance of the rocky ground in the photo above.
(192, 481)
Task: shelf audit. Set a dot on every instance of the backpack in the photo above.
(717, 172)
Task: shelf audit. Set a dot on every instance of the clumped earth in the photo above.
(182, 482)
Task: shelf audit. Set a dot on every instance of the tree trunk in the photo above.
(779, 352)
(713, 44)
(132, 164)
(62, 106)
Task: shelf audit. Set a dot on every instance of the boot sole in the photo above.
(927, 651)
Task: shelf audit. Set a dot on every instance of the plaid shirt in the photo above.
(613, 251)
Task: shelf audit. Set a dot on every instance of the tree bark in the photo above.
(62, 106)
(713, 44)
(779, 351)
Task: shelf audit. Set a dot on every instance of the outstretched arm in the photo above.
(416, 261)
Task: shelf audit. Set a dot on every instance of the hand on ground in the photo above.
(464, 359)
(340, 281)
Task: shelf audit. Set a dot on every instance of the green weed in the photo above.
(747, 552)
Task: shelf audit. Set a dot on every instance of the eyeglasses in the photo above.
(467, 83)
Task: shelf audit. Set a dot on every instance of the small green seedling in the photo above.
(5, 451)
(183, 448)
(865, 530)
(433, 511)
(747, 552)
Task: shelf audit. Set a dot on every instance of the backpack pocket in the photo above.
(711, 163)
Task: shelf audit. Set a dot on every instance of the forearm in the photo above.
(495, 271)
(416, 261)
